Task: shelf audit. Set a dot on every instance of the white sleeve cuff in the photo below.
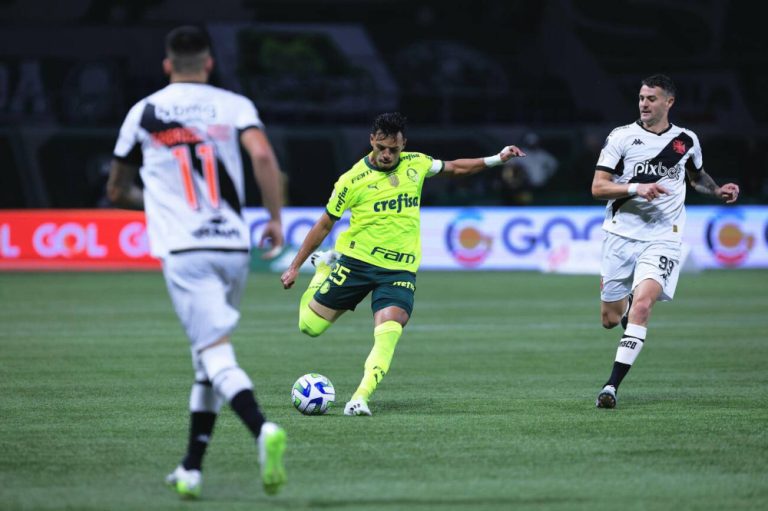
(437, 167)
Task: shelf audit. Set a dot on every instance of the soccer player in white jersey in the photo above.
(185, 139)
(641, 173)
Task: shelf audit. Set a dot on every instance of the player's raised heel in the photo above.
(607, 397)
(357, 406)
(272, 440)
(187, 483)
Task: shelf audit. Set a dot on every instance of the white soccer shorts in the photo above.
(626, 262)
(206, 288)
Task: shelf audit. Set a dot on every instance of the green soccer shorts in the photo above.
(351, 280)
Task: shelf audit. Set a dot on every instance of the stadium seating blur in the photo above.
(469, 78)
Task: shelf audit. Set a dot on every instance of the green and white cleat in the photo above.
(357, 406)
(272, 441)
(323, 261)
(187, 483)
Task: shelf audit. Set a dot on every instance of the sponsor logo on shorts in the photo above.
(405, 284)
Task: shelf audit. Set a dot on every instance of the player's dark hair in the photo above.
(662, 82)
(187, 47)
(389, 124)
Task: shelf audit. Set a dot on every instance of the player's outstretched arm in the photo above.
(121, 186)
(314, 238)
(469, 166)
(704, 184)
(267, 174)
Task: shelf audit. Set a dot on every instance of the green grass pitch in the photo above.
(489, 403)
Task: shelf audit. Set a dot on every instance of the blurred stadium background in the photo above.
(468, 76)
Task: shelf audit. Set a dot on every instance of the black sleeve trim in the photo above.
(690, 166)
(333, 217)
(134, 156)
(606, 169)
(254, 126)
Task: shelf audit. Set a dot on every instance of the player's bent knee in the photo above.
(311, 328)
(641, 310)
(231, 381)
(307, 330)
(311, 324)
(226, 376)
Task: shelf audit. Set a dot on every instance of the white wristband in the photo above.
(492, 161)
(632, 190)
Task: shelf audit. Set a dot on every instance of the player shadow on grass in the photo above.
(651, 402)
(422, 406)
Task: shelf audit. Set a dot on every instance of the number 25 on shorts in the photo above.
(339, 274)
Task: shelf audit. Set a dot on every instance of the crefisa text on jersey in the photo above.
(397, 205)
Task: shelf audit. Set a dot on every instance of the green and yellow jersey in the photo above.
(384, 229)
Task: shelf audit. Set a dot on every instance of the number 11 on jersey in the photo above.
(207, 156)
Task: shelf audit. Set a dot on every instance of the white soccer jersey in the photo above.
(635, 155)
(186, 139)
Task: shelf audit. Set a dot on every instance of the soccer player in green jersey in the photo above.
(381, 250)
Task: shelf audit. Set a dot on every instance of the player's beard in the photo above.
(385, 165)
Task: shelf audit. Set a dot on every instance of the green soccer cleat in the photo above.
(187, 483)
(272, 441)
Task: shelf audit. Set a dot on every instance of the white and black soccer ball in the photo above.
(313, 394)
